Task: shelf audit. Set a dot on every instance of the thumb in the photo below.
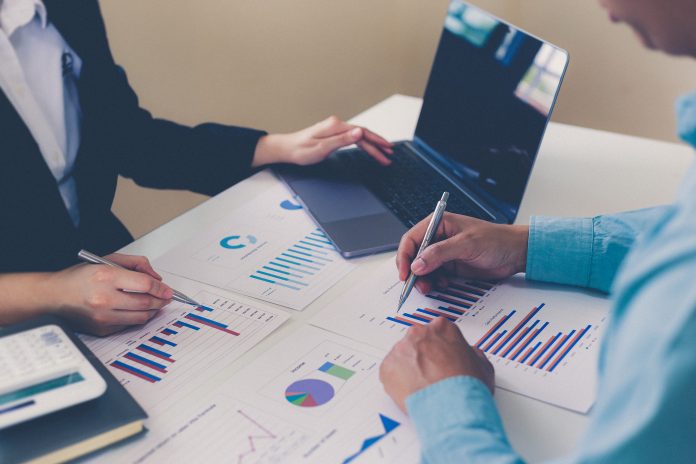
(435, 256)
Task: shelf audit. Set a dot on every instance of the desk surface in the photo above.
(579, 172)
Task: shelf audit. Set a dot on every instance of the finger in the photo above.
(333, 143)
(441, 281)
(138, 282)
(330, 126)
(408, 247)
(119, 317)
(138, 302)
(377, 140)
(437, 254)
(447, 328)
(414, 332)
(135, 263)
(424, 285)
(481, 354)
(374, 152)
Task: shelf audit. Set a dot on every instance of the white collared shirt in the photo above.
(38, 74)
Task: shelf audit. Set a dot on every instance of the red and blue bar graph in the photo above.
(161, 341)
(164, 356)
(210, 323)
(492, 330)
(182, 324)
(146, 362)
(570, 346)
(520, 343)
(135, 371)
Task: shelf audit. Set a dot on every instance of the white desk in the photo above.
(578, 172)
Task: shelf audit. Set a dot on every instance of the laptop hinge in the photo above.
(424, 152)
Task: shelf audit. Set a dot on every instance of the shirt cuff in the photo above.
(452, 404)
(560, 250)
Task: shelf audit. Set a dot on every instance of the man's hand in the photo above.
(467, 247)
(315, 143)
(430, 353)
(91, 296)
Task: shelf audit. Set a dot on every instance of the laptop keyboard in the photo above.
(409, 187)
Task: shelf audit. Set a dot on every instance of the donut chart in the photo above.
(309, 393)
(290, 206)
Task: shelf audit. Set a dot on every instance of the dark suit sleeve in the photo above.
(154, 152)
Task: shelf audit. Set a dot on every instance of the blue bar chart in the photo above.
(283, 258)
(295, 266)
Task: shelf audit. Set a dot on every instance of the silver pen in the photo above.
(88, 257)
(429, 234)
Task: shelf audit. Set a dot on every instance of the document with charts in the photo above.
(314, 397)
(170, 363)
(267, 249)
(542, 339)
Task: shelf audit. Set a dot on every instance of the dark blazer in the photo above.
(118, 138)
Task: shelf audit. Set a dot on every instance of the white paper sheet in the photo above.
(556, 365)
(268, 249)
(254, 418)
(170, 364)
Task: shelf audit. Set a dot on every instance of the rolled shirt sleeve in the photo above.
(584, 252)
(457, 421)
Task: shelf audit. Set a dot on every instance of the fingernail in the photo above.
(418, 265)
(356, 133)
(168, 293)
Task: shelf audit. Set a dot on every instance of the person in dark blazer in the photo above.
(70, 124)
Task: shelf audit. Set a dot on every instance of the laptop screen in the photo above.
(487, 103)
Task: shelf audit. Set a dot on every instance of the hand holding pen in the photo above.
(92, 300)
(427, 239)
(91, 258)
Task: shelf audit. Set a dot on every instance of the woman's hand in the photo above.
(315, 143)
(92, 297)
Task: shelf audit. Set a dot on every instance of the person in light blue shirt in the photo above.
(646, 260)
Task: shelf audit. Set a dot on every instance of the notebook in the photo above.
(76, 430)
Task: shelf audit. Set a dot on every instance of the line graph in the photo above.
(253, 438)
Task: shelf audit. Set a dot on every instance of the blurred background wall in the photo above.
(281, 65)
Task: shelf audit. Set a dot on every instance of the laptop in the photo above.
(487, 103)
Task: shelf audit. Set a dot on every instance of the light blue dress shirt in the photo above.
(646, 401)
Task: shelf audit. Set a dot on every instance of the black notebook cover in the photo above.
(46, 434)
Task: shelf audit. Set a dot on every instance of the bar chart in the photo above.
(452, 303)
(519, 343)
(284, 258)
(295, 266)
(133, 361)
(542, 339)
(175, 350)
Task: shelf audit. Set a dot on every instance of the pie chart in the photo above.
(309, 393)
